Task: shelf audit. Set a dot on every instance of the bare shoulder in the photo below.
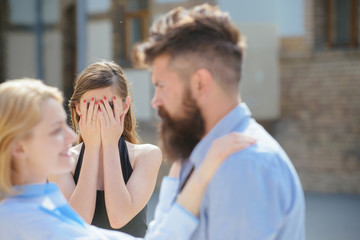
(147, 154)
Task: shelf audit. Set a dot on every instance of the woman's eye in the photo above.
(57, 130)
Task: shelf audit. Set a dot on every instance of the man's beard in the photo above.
(179, 136)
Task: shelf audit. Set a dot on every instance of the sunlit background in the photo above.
(301, 79)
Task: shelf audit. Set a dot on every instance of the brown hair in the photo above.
(202, 36)
(100, 75)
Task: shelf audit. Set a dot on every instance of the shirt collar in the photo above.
(239, 115)
(35, 190)
(49, 199)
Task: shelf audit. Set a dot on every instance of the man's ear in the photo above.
(201, 83)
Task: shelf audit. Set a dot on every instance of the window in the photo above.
(135, 29)
(130, 21)
(337, 23)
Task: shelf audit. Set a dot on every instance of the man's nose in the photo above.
(156, 101)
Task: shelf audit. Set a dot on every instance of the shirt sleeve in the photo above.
(171, 220)
(177, 224)
(167, 196)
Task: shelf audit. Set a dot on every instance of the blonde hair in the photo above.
(100, 75)
(20, 111)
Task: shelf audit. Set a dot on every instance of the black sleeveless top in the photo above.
(137, 226)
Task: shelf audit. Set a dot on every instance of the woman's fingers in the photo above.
(116, 105)
(104, 113)
(83, 109)
(101, 118)
(241, 141)
(90, 111)
(230, 143)
(95, 114)
(107, 108)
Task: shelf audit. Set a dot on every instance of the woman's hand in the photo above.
(89, 124)
(111, 121)
(224, 146)
(191, 196)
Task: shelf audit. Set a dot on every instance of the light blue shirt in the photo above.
(41, 212)
(256, 193)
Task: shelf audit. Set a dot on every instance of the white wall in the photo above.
(263, 23)
(142, 93)
(53, 58)
(259, 84)
(21, 59)
(99, 41)
(21, 45)
(96, 6)
(286, 15)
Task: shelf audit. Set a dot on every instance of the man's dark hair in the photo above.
(201, 37)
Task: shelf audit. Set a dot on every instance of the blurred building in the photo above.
(301, 75)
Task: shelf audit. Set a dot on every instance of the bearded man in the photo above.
(196, 57)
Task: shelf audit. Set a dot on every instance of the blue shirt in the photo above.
(41, 212)
(256, 193)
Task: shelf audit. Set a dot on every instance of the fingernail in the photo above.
(99, 109)
(114, 98)
(96, 102)
(104, 97)
(101, 101)
(84, 100)
(92, 99)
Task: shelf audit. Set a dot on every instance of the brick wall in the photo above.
(320, 123)
(319, 126)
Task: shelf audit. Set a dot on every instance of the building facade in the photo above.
(301, 76)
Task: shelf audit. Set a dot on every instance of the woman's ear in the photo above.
(18, 151)
(77, 108)
(126, 105)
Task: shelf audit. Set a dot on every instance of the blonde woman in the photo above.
(35, 143)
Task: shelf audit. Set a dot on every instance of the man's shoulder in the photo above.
(266, 150)
(257, 159)
(265, 159)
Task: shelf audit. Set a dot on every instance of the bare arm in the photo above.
(82, 196)
(122, 201)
